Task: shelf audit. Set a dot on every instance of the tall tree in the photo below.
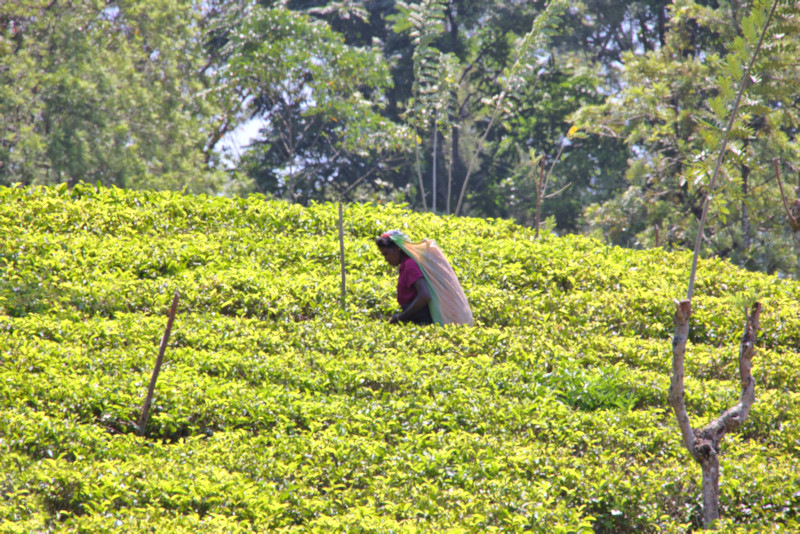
(605, 30)
(318, 99)
(103, 91)
(671, 111)
(484, 56)
(593, 167)
(466, 61)
(434, 98)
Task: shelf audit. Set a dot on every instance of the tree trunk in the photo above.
(676, 389)
(539, 194)
(449, 176)
(662, 24)
(419, 172)
(435, 161)
(710, 467)
(703, 444)
(456, 164)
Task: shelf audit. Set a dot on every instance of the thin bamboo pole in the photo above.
(341, 251)
(149, 399)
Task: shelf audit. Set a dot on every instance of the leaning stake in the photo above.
(157, 368)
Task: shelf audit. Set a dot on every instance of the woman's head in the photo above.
(391, 252)
(385, 241)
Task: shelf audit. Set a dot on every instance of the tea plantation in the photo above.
(276, 410)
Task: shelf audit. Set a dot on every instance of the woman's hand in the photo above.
(419, 302)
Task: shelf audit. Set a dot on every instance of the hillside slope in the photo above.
(277, 410)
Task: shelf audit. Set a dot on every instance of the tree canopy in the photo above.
(107, 92)
(457, 106)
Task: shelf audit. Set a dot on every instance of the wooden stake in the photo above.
(341, 250)
(146, 407)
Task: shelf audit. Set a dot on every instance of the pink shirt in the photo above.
(409, 273)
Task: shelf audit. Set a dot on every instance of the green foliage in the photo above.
(593, 168)
(675, 112)
(104, 92)
(320, 97)
(277, 410)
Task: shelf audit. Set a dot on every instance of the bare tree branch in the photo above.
(360, 179)
(419, 172)
(704, 444)
(676, 389)
(723, 148)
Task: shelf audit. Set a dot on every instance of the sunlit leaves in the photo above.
(319, 100)
(276, 409)
(104, 93)
(675, 114)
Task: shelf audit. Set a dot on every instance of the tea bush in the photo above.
(276, 410)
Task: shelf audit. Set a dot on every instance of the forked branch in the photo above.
(703, 444)
(676, 388)
(733, 418)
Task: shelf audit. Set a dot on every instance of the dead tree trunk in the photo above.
(703, 444)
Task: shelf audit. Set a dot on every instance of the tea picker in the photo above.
(428, 290)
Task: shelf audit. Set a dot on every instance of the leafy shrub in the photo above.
(276, 409)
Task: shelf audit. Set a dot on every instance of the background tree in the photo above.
(318, 100)
(142, 94)
(104, 92)
(594, 167)
(792, 211)
(481, 66)
(470, 52)
(431, 109)
(704, 444)
(670, 113)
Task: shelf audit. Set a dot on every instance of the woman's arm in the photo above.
(419, 302)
